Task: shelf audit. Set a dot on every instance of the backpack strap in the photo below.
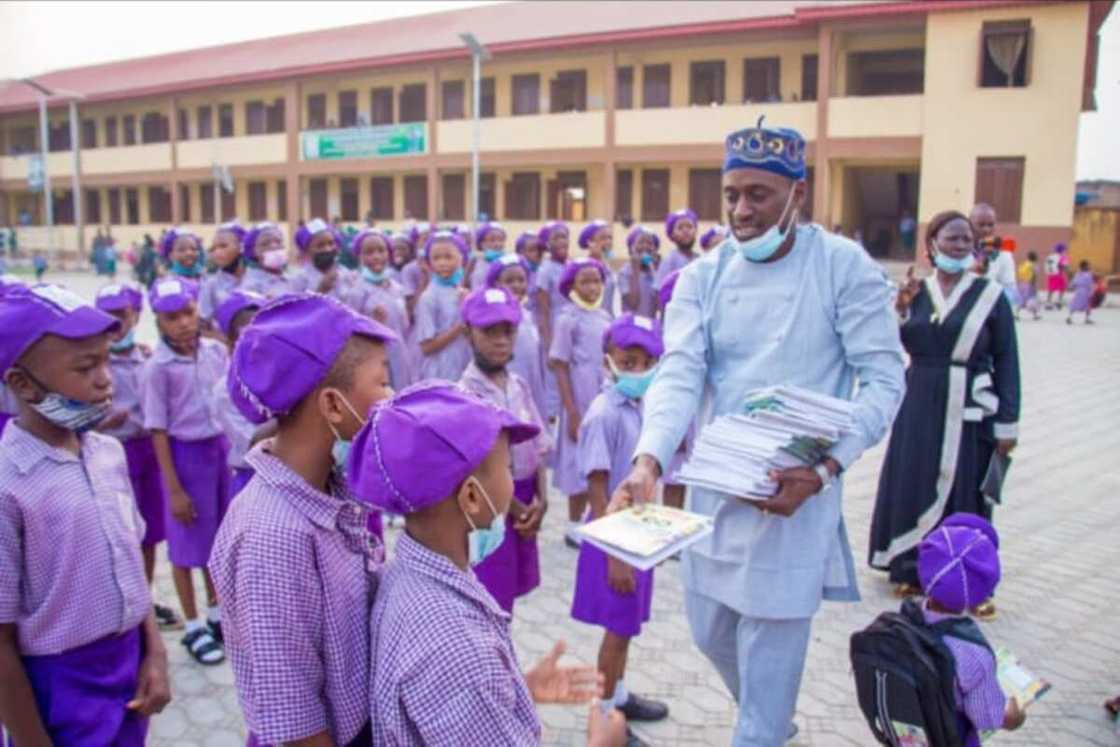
(963, 629)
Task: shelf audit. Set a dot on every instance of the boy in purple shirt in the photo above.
(81, 658)
(126, 423)
(492, 317)
(958, 565)
(294, 561)
(192, 451)
(444, 670)
(609, 593)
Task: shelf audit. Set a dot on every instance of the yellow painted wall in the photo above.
(243, 150)
(150, 157)
(1039, 122)
(876, 116)
(708, 124)
(15, 167)
(542, 131)
(1096, 237)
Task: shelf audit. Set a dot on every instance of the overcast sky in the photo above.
(37, 37)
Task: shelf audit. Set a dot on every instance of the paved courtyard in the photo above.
(1060, 532)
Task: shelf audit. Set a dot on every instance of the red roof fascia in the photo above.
(909, 7)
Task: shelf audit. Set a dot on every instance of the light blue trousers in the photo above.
(760, 661)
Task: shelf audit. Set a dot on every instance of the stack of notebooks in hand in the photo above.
(777, 428)
(643, 536)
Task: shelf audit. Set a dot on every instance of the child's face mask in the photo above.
(66, 413)
(340, 451)
(482, 543)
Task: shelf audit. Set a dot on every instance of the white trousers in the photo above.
(760, 661)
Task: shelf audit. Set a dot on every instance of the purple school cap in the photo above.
(665, 292)
(237, 302)
(590, 230)
(442, 235)
(972, 521)
(172, 294)
(630, 330)
(28, 314)
(424, 442)
(672, 218)
(167, 243)
(486, 229)
(310, 230)
(498, 266)
(489, 306)
(277, 362)
(958, 567)
(550, 228)
(418, 228)
(233, 227)
(118, 296)
(249, 243)
(636, 231)
(523, 239)
(572, 268)
(365, 233)
(716, 233)
(10, 281)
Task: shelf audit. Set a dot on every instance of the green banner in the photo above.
(365, 142)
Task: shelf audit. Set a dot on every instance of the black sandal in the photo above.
(202, 647)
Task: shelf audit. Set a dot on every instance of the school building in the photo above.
(588, 109)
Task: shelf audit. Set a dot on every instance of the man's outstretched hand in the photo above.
(640, 485)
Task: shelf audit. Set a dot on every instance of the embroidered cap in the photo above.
(28, 314)
(779, 150)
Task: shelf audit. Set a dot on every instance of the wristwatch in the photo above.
(826, 477)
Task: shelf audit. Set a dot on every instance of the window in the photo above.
(23, 140)
(225, 120)
(523, 196)
(347, 108)
(154, 128)
(486, 98)
(207, 199)
(452, 100)
(568, 91)
(110, 132)
(114, 196)
(316, 111)
(416, 196)
(89, 133)
(58, 137)
(254, 118)
(381, 106)
(64, 208)
(526, 93)
(624, 196)
(159, 205)
(762, 79)
(1005, 53)
(183, 125)
(184, 203)
(205, 118)
(132, 206)
(128, 129)
(229, 205)
(274, 116)
(317, 197)
(887, 72)
(454, 197)
(655, 194)
(655, 86)
(999, 182)
(413, 103)
(567, 196)
(486, 196)
(809, 66)
(381, 197)
(258, 201)
(705, 83)
(281, 200)
(93, 206)
(624, 88)
(705, 193)
(349, 190)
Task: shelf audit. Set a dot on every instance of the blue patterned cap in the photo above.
(778, 150)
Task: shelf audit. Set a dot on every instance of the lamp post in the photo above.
(478, 54)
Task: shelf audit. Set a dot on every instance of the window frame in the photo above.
(698, 68)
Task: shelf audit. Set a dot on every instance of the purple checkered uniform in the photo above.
(238, 430)
(268, 284)
(444, 669)
(177, 390)
(647, 296)
(295, 570)
(125, 370)
(69, 543)
(526, 456)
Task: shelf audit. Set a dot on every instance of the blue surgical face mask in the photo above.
(124, 343)
(482, 543)
(450, 282)
(491, 255)
(631, 385)
(762, 247)
(188, 272)
(371, 276)
(952, 265)
(646, 260)
(340, 449)
(70, 414)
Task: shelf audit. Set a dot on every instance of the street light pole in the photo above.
(44, 133)
(478, 54)
(75, 178)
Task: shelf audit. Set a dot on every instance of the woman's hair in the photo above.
(938, 222)
(1032, 256)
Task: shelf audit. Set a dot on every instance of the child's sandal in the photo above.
(905, 591)
(985, 611)
(203, 648)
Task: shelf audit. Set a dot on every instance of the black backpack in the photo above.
(904, 676)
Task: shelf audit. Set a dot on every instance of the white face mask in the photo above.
(275, 259)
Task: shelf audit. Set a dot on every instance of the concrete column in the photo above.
(610, 94)
(293, 115)
(822, 181)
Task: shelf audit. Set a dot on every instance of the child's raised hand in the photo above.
(550, 683)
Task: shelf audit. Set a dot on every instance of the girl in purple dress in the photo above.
(379, 296)
(229, 267)
(1082, 286)
(597, 237)
(576, 359)
(512, 273)
(439, 328)
(491, 242)
(553, 238)
(267, 259)
(320, 271)
(636, 278)
(183, 253)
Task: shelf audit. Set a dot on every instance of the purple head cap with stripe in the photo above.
(118, 296)
(712, 236)
(590, 230)
(447, 236)
(486, 229)
(572, 269)
(310, 230)
(365, 233)
(237, 302)
(167, 243)
(636, 231)
(523, 239)
(172, 294)
(672, 218)
(550, 228)
(504, 262)
(249, 244)
(958, 565)
(234, 228)
(29, 314)
(633, 330)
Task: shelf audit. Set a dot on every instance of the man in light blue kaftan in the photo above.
(775, 303)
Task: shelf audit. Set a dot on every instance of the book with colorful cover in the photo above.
(1017, 682)
(643, 536)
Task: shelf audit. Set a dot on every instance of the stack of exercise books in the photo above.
(777, 428)
(644, 535)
